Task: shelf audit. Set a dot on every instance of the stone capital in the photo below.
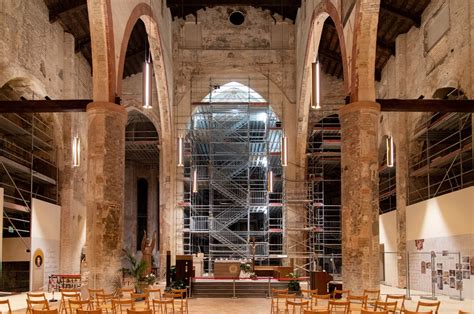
(98, 107)
(359, 106)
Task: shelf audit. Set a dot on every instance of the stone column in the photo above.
(105, 192)
(360, 196)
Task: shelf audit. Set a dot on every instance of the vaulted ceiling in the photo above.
(396, 17)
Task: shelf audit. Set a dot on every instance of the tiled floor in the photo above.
(257, 306)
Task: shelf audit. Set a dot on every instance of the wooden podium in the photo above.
(320, 280)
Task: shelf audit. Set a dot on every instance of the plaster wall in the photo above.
(14, 250)
(388, 237)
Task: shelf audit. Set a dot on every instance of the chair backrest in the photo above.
(279, 291)
(416, 312)
(433, 306)
(463, 312)
(162, 306)
(296, 307)
(126, 293)
(339, 306)
(182, 292)
(104, 298)
(340, 293)
(138, 311)
(372, 295)
(388, 306)
(37, 304)
(35, 296)
(5, 303)
(82, 311)
(400, 298)
(365, 311)
(79, 304)
(121, 305)
(48, 311)
(320, 300)
(307, 293)
(357, 300)
(153, 293)
(316, 312)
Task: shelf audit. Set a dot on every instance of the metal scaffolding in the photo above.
(324, 208)
(232, 177)
(443, 163)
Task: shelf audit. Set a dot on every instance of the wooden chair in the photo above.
(296, 307)
(104, 302)
(162, 306)
(93, 296)
(307, 295)
(320, 302)
(81, 311)
(316, 312)
(75, 305)
(139, 311)
(397, 297)
(67, 296)
(36, 305)
(339, 307)
(357, 302)
(120, 306)
(416, 312)
(342, 293)
(5, 303)
(463, 312)
(180, 296)
(372, 295)
(276, 292)
(36, 311)
(365, 311)
(126, 293)
(433, 306)
(140, 301)
(279, 306)
(153, 293)
(391, 307)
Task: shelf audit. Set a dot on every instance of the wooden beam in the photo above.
(382, 44)
(390, 9)
(23, 106)
(63, 7)
(425, 105)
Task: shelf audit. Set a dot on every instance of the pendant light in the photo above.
(180, 151)
(270, 182)
(76, 151)
(284, 151)
(316, 85)
(147, 79)
(195, 181)
(390, 151)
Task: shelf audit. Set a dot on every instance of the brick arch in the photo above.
(144, 11)
(103, 50)
(324, 10)
(364, 49)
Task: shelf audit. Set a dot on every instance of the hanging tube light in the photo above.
(316, 85)
(284, 151)
(76, 151)
(390, 151)
(147, 88)
(270, 181)
(180, 151)
(195, 181)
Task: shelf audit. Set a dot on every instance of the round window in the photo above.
(237, 18)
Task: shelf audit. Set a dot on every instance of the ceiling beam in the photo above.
(425, 105)
(390, 9)
(383, 45)
(81, 43)
(65, 6)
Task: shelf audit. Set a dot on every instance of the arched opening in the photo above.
(233, 177)
(142, 157)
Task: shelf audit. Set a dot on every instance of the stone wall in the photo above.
(42, 55)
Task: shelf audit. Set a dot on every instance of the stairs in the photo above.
(243, 289)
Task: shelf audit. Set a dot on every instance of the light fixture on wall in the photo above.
(180, 151)
(390, 151)
(147, 80)
(195, 181)
(316, 85)
(76, 151)
(284, 151)
(270, 181)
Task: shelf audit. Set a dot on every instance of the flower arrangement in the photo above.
(150, 279)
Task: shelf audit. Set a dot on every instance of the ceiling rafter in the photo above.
(81, 43)
(65, 6)
(390, 9)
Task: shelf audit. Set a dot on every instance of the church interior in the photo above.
(236, 156)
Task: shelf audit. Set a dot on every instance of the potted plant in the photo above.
(136, 269)
(294, 283)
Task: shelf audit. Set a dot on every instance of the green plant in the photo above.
(294, 283)
(246, 268)
(136, 268)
